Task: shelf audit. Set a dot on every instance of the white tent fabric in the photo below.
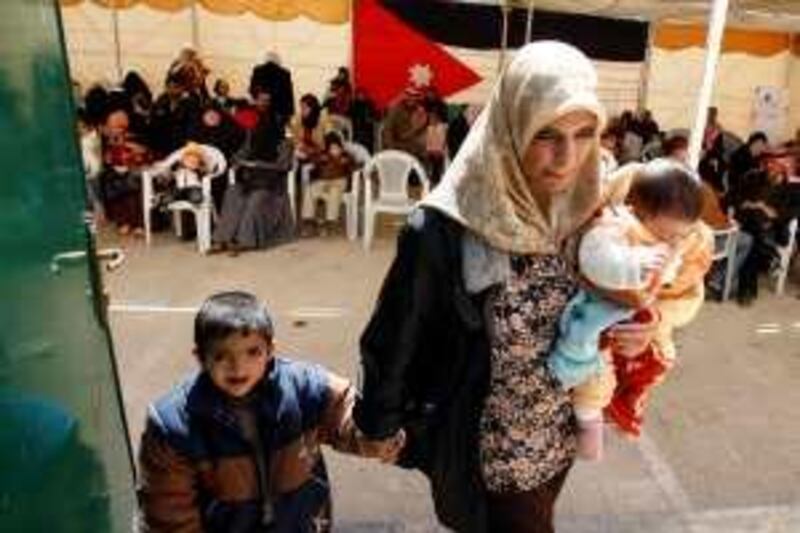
(675, 77)
(231, 46)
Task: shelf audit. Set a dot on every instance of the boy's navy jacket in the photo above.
(198, 472)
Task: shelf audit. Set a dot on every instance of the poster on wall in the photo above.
(769, 112)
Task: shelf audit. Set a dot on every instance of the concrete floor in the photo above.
(721, 451)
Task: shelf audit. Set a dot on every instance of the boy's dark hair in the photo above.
(226, 313)
(667, 187)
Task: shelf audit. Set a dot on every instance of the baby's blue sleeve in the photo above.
(576, 353)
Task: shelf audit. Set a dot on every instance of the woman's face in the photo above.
(305, 109)
(558, 151)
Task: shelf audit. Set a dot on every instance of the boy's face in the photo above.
(668, 229)
(238, 362)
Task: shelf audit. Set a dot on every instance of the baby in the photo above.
(641, 262)
(184, 181)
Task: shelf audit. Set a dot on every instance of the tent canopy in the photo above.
(774, 14)
(324, 11)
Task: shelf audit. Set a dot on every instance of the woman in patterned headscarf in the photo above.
(454, 357)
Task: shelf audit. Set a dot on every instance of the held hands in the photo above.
(385, 450)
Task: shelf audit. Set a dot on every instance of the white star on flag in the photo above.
(421, 75)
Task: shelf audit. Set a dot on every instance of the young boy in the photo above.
(236, 447)
(334, 167)
(651, 254)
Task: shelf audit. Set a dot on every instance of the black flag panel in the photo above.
(480, 26)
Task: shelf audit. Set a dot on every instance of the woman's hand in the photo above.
(631, 339)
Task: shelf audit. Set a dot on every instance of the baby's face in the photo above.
(669, 229)
(192, 161)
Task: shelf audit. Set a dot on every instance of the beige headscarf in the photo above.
(485, 188)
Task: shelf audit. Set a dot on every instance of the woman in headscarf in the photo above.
(255, 210)
(454, 357)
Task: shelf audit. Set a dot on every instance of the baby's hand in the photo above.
(653, 263)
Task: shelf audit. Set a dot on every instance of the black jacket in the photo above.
(277, 81)
(425, 356)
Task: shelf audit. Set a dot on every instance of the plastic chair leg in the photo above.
(202, 219)
(177, 223)
(351, 220)
(369, 228)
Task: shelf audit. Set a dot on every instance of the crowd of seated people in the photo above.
(264, 134)
(751, 188)
(126, 129)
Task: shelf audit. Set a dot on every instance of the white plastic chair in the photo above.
(785, 254)
(392, 168)
(725, 241)
(351, 198)
(203, 213)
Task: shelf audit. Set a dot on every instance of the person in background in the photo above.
(172, 115)
(191, 72)
(222, 98)
(92, 155)
(745, 159)
(436, 142)
(763, 209)
(140, 100)
(217, 128)
(608, 147)
(271, 77)
(712, 135)
(339, 99)
(309, 128)
(405, 125)
(331, 177)
(256, 212)
(631, 143)
(124, 157)
(364, 117)
(646, 126)
(677, 149)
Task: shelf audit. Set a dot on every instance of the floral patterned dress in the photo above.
(528, 425)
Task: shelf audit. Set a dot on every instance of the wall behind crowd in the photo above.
(675, 78)
(794, 94)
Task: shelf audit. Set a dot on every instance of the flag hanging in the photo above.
(390, 56)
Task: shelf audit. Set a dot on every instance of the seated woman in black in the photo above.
(255, 211)
(763, 208)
